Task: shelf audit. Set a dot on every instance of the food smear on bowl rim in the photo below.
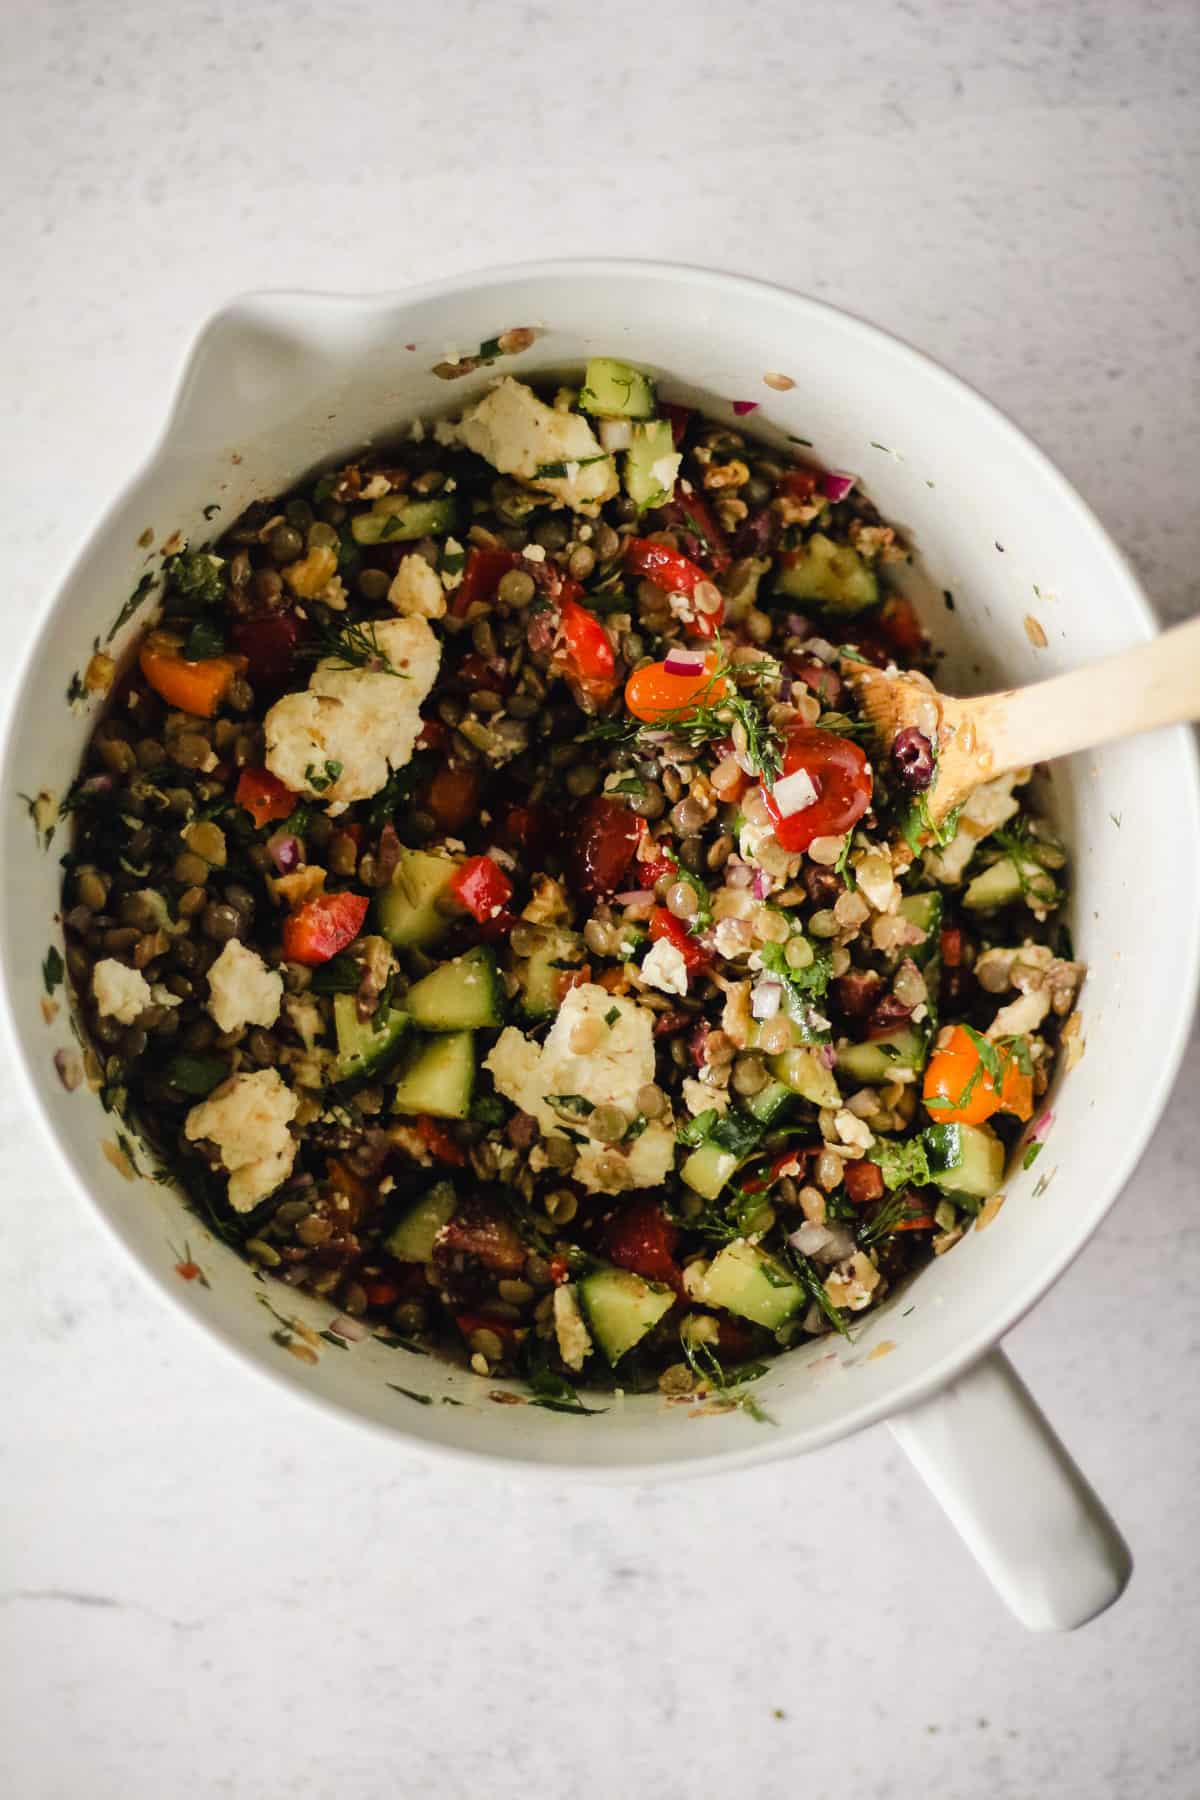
(483, 898)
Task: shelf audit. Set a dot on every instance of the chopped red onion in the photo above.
(99, 784)
(762, 884)
(810, 1238)
(836, 484)
(793, 793)
(353, 1330)
(683, 662)
(742, 407)
(738, 874)
(827, 1055)
(798, 625)
(634, 897)
(1040, 1126)
(285, 851)
(766, 999)
(840, 1245)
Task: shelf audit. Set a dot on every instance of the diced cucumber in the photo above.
(743, 1279)
(461, 995)
(651, 465)
(966, 1161)
(365, 1044)
(771, 1103)
(826, 574)
(412, 1238)
(803, 1070)
(1004, 882)
(616, 390)
(407, 909)
(395, 519)
(620, 1308)
(437, 1076)
(708, 1168)
(925, 911)
(877, 1060)
(543, 975)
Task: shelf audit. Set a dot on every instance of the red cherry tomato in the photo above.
(664, 924)
(269, 645)
(676, 574)
(838, 770)
(605, 836)
(264, 796)
(482, 887)
(642, 1239)
(323, 926)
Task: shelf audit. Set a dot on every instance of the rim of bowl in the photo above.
(1013, 1307)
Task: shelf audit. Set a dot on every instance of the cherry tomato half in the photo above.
(838, 770)
(957, 1091)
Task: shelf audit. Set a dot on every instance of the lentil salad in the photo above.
(484, 901)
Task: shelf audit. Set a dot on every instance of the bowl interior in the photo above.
(278, 384)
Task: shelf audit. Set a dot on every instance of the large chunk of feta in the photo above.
(339, 739)
(520, 435)
(617, 1063)
(247, 1119)
(121, 993)
(242, 990)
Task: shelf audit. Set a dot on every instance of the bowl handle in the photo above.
(1020, 1504)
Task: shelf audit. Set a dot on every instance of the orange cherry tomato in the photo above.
(193, 687)
(651, 693)
(841, 774)
(959, 1091)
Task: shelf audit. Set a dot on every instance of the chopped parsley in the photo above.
(131, 605)
(577, 1104)
(196, 576)
(901, 1163)
(611, 1016)
(1031, 1156)
(320, 779)
(53, 969)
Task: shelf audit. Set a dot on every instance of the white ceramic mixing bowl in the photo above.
(280, 382)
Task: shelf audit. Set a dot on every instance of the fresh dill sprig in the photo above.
(349, 644)
(727, 1383)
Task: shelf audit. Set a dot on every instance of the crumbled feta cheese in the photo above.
(247, 1119)
(852, 1282)
(610, 1075)
(304, 1016)
(665, 967)
(365, 720)
(453, 554)
(989, 807)
(666, 471)
(520, 435)
(445, 432)
(123, 993)
(1021, 1016)
(876, 883)
(376, 488)
(701, 1096)
(574, 1340)
(851, 1130)
(534, 553)
(242, 990)
(417, 591)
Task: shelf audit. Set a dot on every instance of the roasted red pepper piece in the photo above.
(601, 848)
(482, 887)
(432, 735)
(584, 653)
(264, 796)
(438, 1142)
(664, 924)
(323, 926)
(505, 1330)
(864, 1181)
(482, 575)
(642, 1239)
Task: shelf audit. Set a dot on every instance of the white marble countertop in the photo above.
(205, 1589)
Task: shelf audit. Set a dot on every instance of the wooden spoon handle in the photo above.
(1138, 690)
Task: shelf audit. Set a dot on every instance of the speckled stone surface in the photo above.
(206, 1590)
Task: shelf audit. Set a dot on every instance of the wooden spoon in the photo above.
(1138, 690)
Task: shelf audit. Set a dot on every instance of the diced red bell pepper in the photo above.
(482, 887)
(323, 926)
(438, 1142)
(560, 1270)
(664, 924)
(864, 1182)
(642, 1239)
(264, 796)
(482, 575)
(269, 644)
(654, 868)
(585, 653)
(952, 946)
(675, 574)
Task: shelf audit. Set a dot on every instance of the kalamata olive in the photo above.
(912, 759)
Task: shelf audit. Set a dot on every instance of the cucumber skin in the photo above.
(438, 1077)
(445, 1000)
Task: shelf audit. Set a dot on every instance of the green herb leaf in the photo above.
(340, 975)
(1031, 1155)
(196, 1075)
(695, 1131)
(53, 969)
(351, 644)
(197, 576)
(131, 605)
(611, 1016)
(629, 784)
(206, 638)
(411, 1394)
(901, 1162)
(577, 1104)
